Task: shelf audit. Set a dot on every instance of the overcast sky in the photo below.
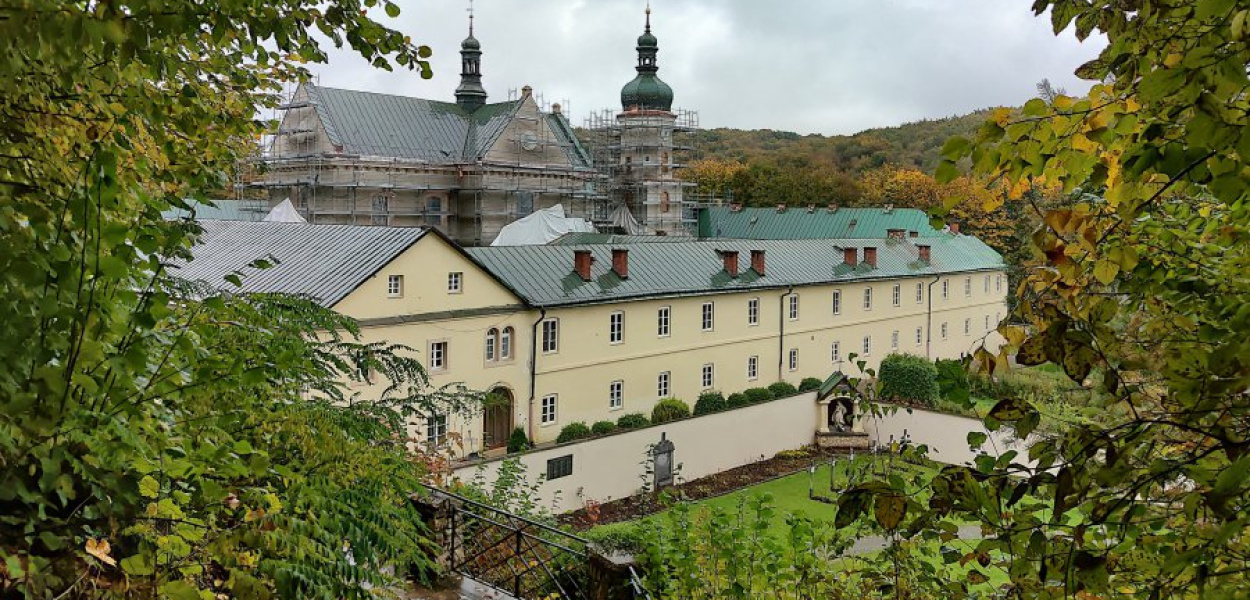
(829, 66)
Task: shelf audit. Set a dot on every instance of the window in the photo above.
(967, 326)
(505, 344)
(987, 284)
(753, 311)
(616, 395)
(867, 298)
(920, 336)
(898, 295)
(663, 320)
(894, 340)
(998, 317)
(709, 376)
(794, 307)
(753, 368)
(664, 199)
(967, 286)
(837, 302)
(794, 359)
(835, 353)
(944, 330)
(708, 316)
(867, 345)
(547, 410)
(560, 466)
(395, 286)
(998, 283)
(551, 336)
(616, 327)
(919, 293)
(661, 384)
(946, 289)
(436, 430)
(987, 322)
(492, 341)
(454, 281)
(433, 204)
(438, 356)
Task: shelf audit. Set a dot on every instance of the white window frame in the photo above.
(436, 430)
(616, 395)
(867, 346)
(794, 359)
(394, 286)
(616, 327)
(664, 384)
(753, 368)
(920, 336)
(753, 312)
(707, 320)
(708, 376)
(945, 330)
(664, 321)
(835, 352)
(898, 294)
(506, 336)
(492, 345)
(920, 293)
(968, 326)
(443, 355)
(894, 340)
(547, 410)
(837, 302)
(968, 286)
(455, 282)
(998, 283)
(987, 322)
(794, 307)
(550, 336)
(987, 283)
(946, 289)
(868, 298)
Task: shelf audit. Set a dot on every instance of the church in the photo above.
(470, 167)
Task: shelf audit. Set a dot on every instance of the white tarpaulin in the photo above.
(541, 227)
(284, 212)
(623, 220)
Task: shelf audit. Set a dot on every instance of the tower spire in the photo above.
(646, 91)
(470, 95)
(648, 28)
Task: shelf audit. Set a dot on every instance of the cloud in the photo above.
(805, 66)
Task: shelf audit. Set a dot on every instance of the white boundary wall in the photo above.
(945, 435)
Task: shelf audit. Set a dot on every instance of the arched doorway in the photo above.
(497, 418)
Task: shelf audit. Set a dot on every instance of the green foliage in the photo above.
(624, 539)
(603, 427)
(953, 384)
(633, 421)
(810, 384)
(518, 441)
(737, 399)
(573, 431)
(781, 389)
(757, 395)
(669, 409)
(710, 402)
(908, 378)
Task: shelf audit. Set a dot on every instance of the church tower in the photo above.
(470, 95)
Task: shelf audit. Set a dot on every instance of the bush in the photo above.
(603, 427)
(632, 421)
(782, 389)
(669, 409)
(757, 395)
(623, 538)
(809, 384)
(953, 380)
(736, 400)
(573, 431)
(710, 402)
(518, 441)
(908, 378)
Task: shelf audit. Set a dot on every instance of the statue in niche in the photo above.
(841, 415)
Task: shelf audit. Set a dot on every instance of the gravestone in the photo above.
(662, 455)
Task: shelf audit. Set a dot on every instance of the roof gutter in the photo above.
(928, 330)
(529, 411)
(781, 330)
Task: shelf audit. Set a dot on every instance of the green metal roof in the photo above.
(219, 210)
(578, 238)
(797, 223)
(543, 275)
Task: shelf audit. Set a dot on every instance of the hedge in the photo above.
(518, 441)
(782, 389)
(669, 409)
(710, 402)
(736, 400)
(908, 378)
(953, 381)
(757, 395)
(809, 384)
(633, 421)
(573, 431)
(602, 427)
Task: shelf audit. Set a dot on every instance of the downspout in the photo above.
(928, 330)
(781, 329)
(529, 411)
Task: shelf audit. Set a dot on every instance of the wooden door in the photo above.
(497, 424)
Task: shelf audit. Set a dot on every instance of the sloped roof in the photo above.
(797, 224)
(578, 155)
(326, 262)
(219, 210)
(578, 238)
(543, 275)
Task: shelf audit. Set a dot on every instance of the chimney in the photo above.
(733, 208)
(811, 208)
(581, 263)
(870, 256)
(849, 257)
(556, 108)
(730, 258)
(757, 262)
(526, 91)
(781, 208)
(832, 208)
(914, 234)
(954, 227)
(924, 253)
(895, 234)
(620, 262)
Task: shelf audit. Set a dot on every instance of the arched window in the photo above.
(505, 344)
(663, 201)
(492, 339)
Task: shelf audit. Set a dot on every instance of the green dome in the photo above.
(470, 43)
(646, 40)
(647, 92)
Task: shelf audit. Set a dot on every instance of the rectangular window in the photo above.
(944, 330)
(753, 368)
(663, 321)
(753, 311)
(661, 384)
(560, 466)
(898, 295)
(395, 286)
(794, 359)
(987, 284)
(968, 287)
(998, 283)
(946, 289)
(920, 336)
(438, 356)
(835, 352)
(894, 340)
(919, 293)
(551, 336)
(867, 298)
(837, 302)
(867, 345)
(547, 410)
(967, 326)
(709, 376)
(616, 395)
(987, 322)
(708, 316)
(436, 430)
(794, 307)
(454, 282)
(616, 327)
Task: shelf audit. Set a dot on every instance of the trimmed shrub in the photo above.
(782, 389)
(518, 441)
(809, 384)
(908, 378)
(953, 380)
(669, 409)
(573, 431)
(626, 538)
(710, 402)
(602, 427)
(736, 400)
(632, 421)
(757, 395)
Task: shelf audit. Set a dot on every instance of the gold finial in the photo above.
(648, 15)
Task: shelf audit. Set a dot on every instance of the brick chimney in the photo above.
(870, 256)
(781, 208)
(811, 208)
(895, 234)
(757, 262)
(730, 258)
(924, 253)
(849, 256)
(914, 234)
(620, 262)
(581, 263)
(954, 226)
(832, 208)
